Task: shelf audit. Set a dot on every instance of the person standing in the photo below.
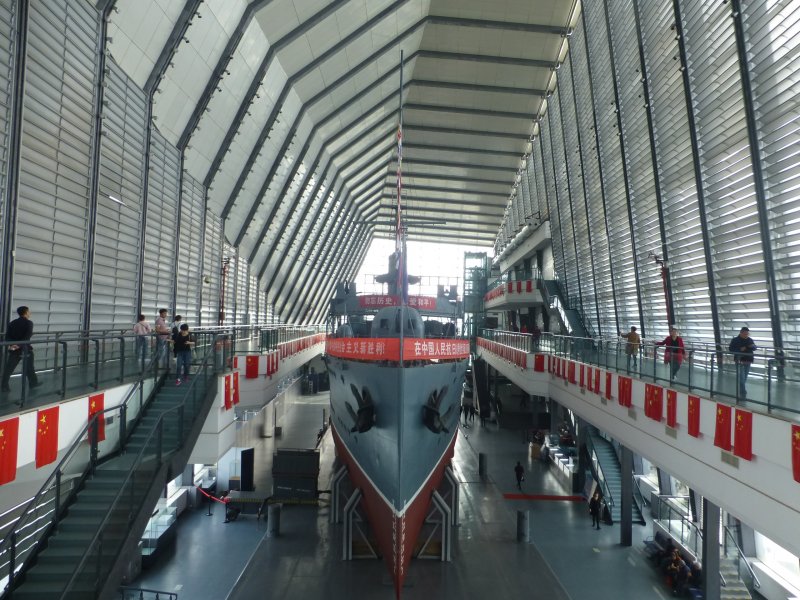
(519, 472)
(675, 351)
(162, 332)
(142, 330)
(20, 330)
(743, 348)
(183, 343)
(632, 347)
(175, 326)
(595, 506)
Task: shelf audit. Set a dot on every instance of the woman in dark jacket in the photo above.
(675, 351)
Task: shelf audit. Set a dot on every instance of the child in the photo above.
(182, 343)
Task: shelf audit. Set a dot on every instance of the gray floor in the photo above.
(567, 559)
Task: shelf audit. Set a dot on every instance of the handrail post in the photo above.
(690, 361)
(64, 371)
(96, 363)
(160, 441)
(57, 506)
(121, 358)
(123, 426)
(12, 560)
(99, 563)
(180, 421)
(93, 435)
(25, 366)
(713, 357)
(769, 385)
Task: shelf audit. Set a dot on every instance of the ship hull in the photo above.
(400, 460)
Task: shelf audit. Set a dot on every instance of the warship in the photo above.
(395, 393)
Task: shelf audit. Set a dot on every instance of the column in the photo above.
(710, 559)
(626, 497)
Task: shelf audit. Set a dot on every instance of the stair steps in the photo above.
(69, 544)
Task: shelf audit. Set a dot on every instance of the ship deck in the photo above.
(566, 559)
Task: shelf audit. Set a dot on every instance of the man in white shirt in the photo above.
(162, 338)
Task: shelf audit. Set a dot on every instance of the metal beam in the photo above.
(464, 110)
(480, 180)
(447, 190)
(417, 209)
(219, 70)
(456, 165)
(450, 148)
(255, 83)
(758, 181)
(698, 173)
(170, 47)
(287, 87)
(477, 87)
(499, 25)
(461, 131)
(14, 132)
(490, 59)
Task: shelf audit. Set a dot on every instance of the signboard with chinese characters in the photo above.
(379, 301)
(389, 348)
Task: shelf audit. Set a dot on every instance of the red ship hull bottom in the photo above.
(395, 533)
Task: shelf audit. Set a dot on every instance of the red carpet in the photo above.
(543, 497)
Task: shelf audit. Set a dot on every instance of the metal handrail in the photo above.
(157, 430)
(601, 478)
(606, 352)
(55, 476)
(142, 591)
(637, 483)
(729, 534)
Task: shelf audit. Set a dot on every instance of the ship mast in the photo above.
(400, 246)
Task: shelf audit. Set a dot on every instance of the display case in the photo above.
(159, 532)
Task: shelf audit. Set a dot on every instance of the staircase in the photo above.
(87, 550)
(612, 476)
(570, 315)
(734, 588)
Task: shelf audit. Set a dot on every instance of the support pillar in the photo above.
(626, 499)
(711, 585)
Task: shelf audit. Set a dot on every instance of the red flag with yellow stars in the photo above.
(743, 435)
(251, 367)
(722, 433)
(795, 451)
(694, 416)
(9, 434)
(672, 408)
(236, 388)
(46, 436)
(228, 402)
(96, 405)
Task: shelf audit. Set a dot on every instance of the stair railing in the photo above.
(97, 562)
(729, 545)
(677, 523)
(42, 513)
(132, 593)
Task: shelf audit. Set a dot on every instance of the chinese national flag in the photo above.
(236, 388)
(538, 363)
(597, 381)
(46, 436)
(228, 401)
(743, 435)
(251, 367)
(795, 452)
(672, 408)
(608, 386)
(624, 390)
(96, 405)
(694, 416)
(9, 434)
(572, 372)
(235, 362)
(654, 397)
(583, 376)
(722, 433)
